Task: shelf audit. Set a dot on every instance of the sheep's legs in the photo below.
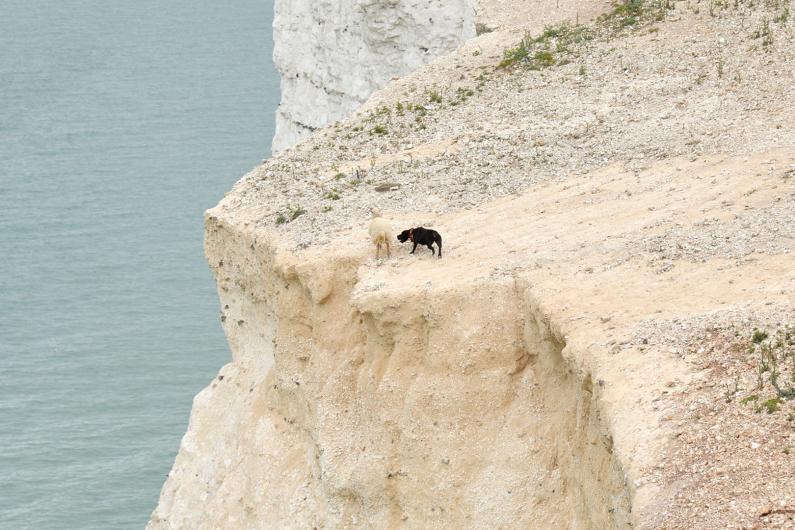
(378, 249)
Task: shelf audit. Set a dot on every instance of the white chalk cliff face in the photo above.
(333, 55)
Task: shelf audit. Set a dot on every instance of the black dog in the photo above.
(422, 236)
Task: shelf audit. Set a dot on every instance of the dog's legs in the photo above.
(413, 249)
(439, 244)
(430, 246)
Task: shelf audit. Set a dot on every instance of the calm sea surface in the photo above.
(120, 123)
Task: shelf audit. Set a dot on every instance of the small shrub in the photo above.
(517, 54)
(481, 28)
(280, 219)
(543, 59)
(764, 32)
(434, 96)
(461, 95)
(295, 212)
(537, 52)
(758, 337)
(771, 405)
(380, 130)
(732, 391)
(332, 195)
(776, 357)
(634, 13)
(748, 399)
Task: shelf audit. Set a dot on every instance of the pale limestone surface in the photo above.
(460, 392)
(547, 371)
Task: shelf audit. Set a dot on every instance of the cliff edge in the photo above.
(609, 340)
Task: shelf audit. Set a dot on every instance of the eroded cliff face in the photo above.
(561, 366)
(332, 56)
(513, 383)
(350, 403)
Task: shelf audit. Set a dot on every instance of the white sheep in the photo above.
(380, 233)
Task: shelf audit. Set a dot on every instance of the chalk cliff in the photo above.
(608, 341)
(333, 55)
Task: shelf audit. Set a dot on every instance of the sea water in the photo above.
(120, 123)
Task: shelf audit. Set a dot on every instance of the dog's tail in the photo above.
(439, 243)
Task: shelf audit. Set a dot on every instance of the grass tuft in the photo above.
(556, 44)
(481, 28)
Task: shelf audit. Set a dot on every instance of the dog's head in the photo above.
(404, 236)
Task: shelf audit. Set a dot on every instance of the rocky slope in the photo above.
(618, 214)
(331, 56)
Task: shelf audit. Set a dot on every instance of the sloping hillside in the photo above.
(608, 340)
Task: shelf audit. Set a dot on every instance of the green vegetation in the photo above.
(293, 213)
(481, 28)
(461, 95)
(560, 44)
(748, 399)
(775, 367)
(543, 59)
(380, 130)
(771, 405)
(517, 54)
(549, 48)
(481, 79)
(634, 13)
(557, 44)
(781, 351)
(764, 32)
